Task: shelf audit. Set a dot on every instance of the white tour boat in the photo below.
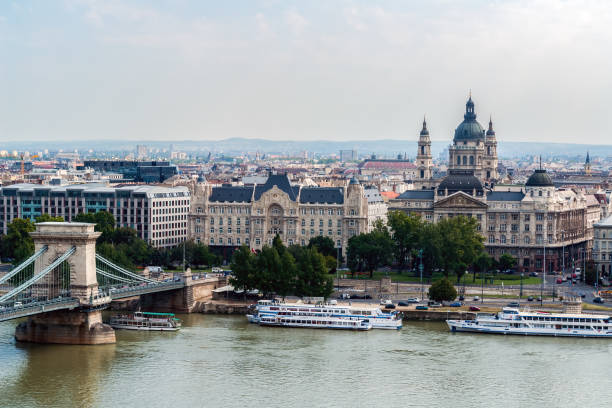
(315, 322)
(146, 321)
(537, 323)
(377, 318)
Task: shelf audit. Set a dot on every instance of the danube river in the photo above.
(222, 361)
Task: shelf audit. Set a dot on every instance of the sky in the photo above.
(304, 70)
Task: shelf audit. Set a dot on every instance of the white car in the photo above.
(385, 302)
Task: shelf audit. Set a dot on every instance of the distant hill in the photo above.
(388, 148)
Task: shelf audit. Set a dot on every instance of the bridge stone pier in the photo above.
(79, 326)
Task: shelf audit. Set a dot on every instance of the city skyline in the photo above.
(303, 71)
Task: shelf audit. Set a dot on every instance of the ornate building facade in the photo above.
(525, 221)
(227, 217)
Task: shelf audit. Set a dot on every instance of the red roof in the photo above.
(390, 195)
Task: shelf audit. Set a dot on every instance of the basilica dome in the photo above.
(469, 129)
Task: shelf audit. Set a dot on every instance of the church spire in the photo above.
(424, 131)
(490, 132)
(588, 159)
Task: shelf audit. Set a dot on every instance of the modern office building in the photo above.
(137, 171)
(158, 214)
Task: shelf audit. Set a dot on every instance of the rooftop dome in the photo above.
(461, 180)
(469, 129)
(539, 179)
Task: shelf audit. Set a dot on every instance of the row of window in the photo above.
(514, 239)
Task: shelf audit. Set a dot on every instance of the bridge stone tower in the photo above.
(84, 324)
(61, 237)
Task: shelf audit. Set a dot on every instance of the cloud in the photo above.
(296, 22)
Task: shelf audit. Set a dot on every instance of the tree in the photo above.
(461, 243)
(429, 243)
(312, 278)
(324, 245)
(442, 290)
(590, 274)
(47, 218)
(483, 263)
(405, 232)
(243, 269)
(17, 243)
(506, 261)
(268, 270)
(369, 251)
(105, 223)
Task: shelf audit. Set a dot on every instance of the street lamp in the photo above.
(421, 270)
(543, 276)
(521, 292)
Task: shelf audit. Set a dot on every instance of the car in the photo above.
(574, 281)
(598, 299)
(435, 304)
(456, 304)
(402, 303)
(389, 306)
(583, 295)
(462, 298)
(413, 300)
(564, 279)
(530, 299)
(476, 298)
(17, 304)
(574, 276)
(421, 307)
(385, 301)
(559, 280)
(539, 299)
(534, 274)
(474, 309)
(513, 304)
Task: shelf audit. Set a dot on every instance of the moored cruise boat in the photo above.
(514, 321)
(146, 321)
(315, 322)
(377, 318)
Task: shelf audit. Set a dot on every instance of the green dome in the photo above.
(469, 129)
(539, 179)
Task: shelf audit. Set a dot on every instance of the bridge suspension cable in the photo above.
(38, 276)
(112, 277)
(23, 265)
(119, 269)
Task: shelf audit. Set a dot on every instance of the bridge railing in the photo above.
(32, 308)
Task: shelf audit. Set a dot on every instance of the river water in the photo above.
(222, 361)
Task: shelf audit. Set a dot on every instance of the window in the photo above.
(491, 239)
(257, 241)
(502, 239)
(539, 217)
(229, 241)
(526, 240)
(527, 217)
(212, 230)
(212, 241)
(526, 227)
(238, 241)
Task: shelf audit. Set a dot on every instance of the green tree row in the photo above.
(452, 245)
(295, 270)
(120, 245)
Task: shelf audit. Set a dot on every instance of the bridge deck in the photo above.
(29, 309)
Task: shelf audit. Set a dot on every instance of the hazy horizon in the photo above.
(288, 70)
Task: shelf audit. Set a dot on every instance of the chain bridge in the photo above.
(64, 285)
